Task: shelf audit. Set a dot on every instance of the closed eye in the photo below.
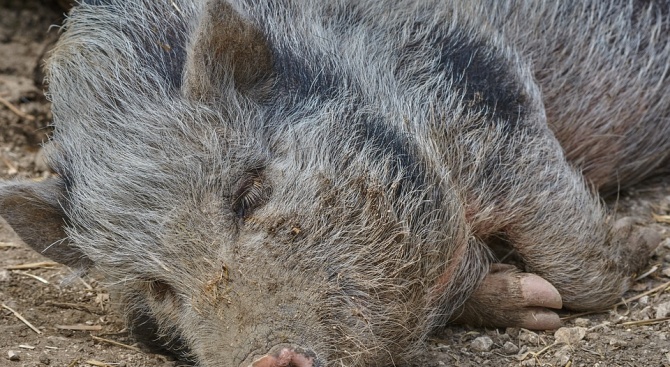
(251, 194)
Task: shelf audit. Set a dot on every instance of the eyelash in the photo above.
(253, 193)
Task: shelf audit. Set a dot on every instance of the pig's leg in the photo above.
(509, 297)
(526, 191)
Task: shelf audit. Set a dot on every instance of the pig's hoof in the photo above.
(508, 297)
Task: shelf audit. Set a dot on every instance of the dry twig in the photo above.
(661, 218)
(18, 316)
(116, 343)
(645, 322)
(38, 278)
(647, 273)
(79, 327)
(93, 362)
(17, 111)
(38, 265)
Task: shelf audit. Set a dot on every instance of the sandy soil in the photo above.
(76, 324)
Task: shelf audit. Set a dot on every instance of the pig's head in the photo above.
(232, 238)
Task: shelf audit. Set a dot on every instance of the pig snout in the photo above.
(287, 357)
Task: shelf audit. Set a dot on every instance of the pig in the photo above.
(309, 183)
(605, 95)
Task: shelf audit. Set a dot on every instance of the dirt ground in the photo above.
(76, 325)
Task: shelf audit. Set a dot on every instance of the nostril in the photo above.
(287, 357)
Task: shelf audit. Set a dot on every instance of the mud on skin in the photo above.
(320, 184)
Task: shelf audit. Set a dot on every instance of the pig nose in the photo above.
(287, 357)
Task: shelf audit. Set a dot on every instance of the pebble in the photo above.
(562, 356)
(45, 360)
(644, 301)
(618, 343)
(663, 310)
(510, 348)
(523, 349)
(502, 338)
(582, 322)
(482, 344)
(4, 276)
(529, 337)
(570, 335)
(13, 356)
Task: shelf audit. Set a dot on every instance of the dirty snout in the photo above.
(286, 356)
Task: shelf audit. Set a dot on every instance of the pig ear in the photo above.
(227, 53)
(33, 211)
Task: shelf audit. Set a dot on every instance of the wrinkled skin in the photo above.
(320, 183)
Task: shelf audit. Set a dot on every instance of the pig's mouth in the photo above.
(286, 356)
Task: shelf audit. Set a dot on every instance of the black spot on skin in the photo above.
(390, 145)
(299, 77)
(145, 329)
(485, 79)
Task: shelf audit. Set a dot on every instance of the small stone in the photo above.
(644, 301)
(528, 363)
(4, 276)
(666, 272)
(510, 348)
(512, 331)
(529, 337)
(13, 356)
(482, 344)
(44, 359)
(442, 347)
(562, 356)
(644, 314)
(523, 349)
(502, 338)
(570, 335)
(617, 343)
(663, 310)
(582, 322)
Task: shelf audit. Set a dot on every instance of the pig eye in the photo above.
(252, 192)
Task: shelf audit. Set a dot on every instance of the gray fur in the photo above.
(332, 177)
